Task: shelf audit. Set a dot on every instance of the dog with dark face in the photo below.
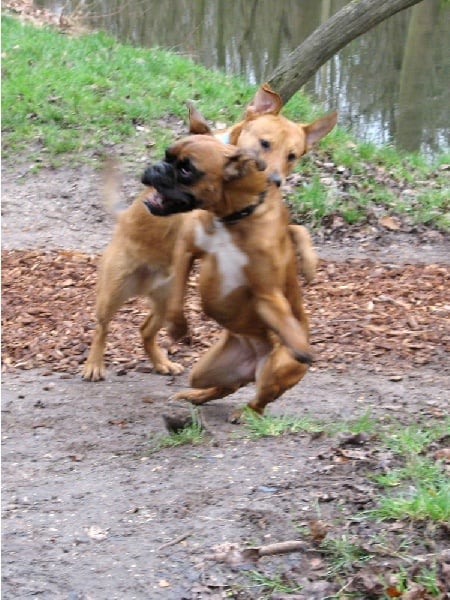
(248, 275)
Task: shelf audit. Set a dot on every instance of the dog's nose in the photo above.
(276, 178)
(155, 173)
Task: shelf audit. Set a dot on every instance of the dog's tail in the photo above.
(111, 184)
(305, 251)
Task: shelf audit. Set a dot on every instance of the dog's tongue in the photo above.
(153, 201)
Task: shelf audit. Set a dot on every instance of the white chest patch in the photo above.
(224, 137)
(230, 258)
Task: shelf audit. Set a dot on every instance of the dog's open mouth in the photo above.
(169, 202)
(166, 195)
(154, 202)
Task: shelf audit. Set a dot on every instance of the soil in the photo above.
(93, 509)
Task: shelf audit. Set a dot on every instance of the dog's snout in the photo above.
(158, 172)
(276, 178)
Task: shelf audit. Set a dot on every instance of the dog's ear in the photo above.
(240, 163)
(197, 122)
(265, 102)
(234, 133)
(319, 128)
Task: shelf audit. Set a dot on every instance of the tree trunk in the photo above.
(354, 19)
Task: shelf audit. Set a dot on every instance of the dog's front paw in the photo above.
(237, 416)
(177, 326)
(240, 416)
(93, 372)
(167, 367)
(303, 357)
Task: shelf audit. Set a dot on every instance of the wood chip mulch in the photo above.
(390, 318)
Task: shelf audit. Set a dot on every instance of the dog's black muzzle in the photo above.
(170, 196)
(161, 173)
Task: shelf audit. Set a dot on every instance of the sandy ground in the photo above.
(90, 513)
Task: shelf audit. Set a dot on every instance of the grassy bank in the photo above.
(66, 99)
(406, 480)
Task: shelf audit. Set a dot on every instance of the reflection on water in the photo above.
(389, 85)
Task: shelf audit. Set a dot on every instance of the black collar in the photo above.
(244, 212)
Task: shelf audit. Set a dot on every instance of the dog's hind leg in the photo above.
(279, 373)
(149, 330)
(226, 366)
(201, 396)
(109, 299)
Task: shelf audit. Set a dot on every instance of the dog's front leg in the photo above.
(112, 291)
(182, 265)
(274, 309)
(294, 297)
(278, 374)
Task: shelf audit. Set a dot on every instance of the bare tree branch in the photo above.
(353, 20)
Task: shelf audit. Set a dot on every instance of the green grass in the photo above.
(422, 482)
(343, 554)
(415, 489)
(65, 94)
(68, 99)
(268, 585)
(429, 500)
(270, 426)
(371, 180)
(278, 425)
(192, 434)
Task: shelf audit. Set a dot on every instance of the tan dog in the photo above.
(138, 260)
(248, 278)
(281, 143)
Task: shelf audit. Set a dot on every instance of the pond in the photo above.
(391, 85)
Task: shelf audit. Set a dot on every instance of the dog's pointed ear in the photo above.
(197, 122)
(240, 162)
(265, 102)
(234, 132)
(319, 128)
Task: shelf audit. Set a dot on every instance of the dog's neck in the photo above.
(240, 197)
(246, 211)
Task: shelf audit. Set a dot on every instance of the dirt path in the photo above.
(90, 513)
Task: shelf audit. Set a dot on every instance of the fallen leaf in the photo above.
(386, 337)
(316, 564)
(317, 529)
(415, 592)
(393, 592)
(443, 454)
(391, 223)
(118, 422)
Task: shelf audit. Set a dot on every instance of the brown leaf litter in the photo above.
(390, 318)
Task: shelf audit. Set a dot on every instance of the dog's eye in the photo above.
(185, 168)
(291, 156)
(265, 144)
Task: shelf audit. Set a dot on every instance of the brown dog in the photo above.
(281, 143)
(248, 278)
(138, 260)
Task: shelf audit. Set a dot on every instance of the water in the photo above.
(391, 85)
